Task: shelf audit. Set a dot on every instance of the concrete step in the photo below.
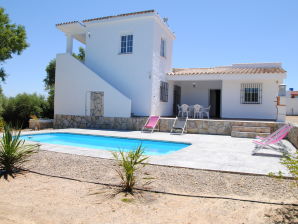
(254, 124)
(239, 134)
(251, 129)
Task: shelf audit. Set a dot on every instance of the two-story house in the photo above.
(128, 72)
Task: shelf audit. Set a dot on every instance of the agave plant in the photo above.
(128, 165)
(13, 151)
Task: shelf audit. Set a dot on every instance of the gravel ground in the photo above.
(33, 198)
(168, 179)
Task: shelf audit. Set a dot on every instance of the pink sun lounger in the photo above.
(274, 138)
(151, 123)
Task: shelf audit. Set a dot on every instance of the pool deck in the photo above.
(208, 152)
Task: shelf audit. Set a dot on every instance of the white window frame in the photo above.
(126, 46)
(163, 47)
(251, 93)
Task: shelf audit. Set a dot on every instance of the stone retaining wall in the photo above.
(293, 136)
(40, 124)
(194, 126)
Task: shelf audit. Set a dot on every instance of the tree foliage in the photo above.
(19, 109)
(12, 40)
(49, 80)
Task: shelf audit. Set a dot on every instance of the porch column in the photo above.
(69, 41)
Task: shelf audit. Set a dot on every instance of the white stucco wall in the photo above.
(292, 106)
(160, 67)
(73, 83)
(129, 73)
(232, 108)
(197, 95)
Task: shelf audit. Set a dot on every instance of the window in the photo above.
(251, 93)
(163, 48)
(164, 86)
(126, 44)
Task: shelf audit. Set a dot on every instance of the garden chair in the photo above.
(179, 125)
(184, 109)
(179, 109)
(151, 123)
(197, 111)
(205, 110)
(273, 139)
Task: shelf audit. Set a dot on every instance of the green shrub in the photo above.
(13, 151)
(128, 165)
(18, 110)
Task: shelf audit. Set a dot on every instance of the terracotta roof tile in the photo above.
(108, 17)
(225, 70)
(59, 24)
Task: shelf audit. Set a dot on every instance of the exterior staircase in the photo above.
(251, 130)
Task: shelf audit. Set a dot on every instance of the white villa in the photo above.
(128, 72)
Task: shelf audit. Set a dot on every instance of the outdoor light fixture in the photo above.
(194, 85)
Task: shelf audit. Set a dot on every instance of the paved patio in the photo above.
(210, 152)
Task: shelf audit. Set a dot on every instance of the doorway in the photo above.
(177, 99)
(215, 102)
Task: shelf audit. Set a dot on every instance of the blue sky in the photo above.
(209, 33)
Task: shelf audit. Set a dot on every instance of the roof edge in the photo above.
(108, 17)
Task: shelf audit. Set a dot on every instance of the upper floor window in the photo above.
(126, 44)
(251, 93)
(163, 47)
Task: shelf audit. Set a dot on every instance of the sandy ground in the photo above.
(292, 119)
(81, 192)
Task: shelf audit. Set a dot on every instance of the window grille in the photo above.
(251, 93)
(164, 87)
(126, 44)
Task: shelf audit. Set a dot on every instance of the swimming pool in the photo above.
(151, 147)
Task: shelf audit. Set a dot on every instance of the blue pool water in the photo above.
(151, 147)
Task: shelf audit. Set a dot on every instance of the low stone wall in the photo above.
(40, 123)
(293, 136)
(194, 126)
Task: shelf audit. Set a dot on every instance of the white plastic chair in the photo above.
(184, 110)
(205, 111)
(179, 109)
(197, 111)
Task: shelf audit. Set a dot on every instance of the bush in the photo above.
(13, 151)
(128, 165)
(18, 110)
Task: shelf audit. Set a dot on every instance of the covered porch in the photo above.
(206, 93)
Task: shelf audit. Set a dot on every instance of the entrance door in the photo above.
(215, 102)
(177, 99)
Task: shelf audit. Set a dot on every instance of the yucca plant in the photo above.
(13, 151)
(128, 165)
